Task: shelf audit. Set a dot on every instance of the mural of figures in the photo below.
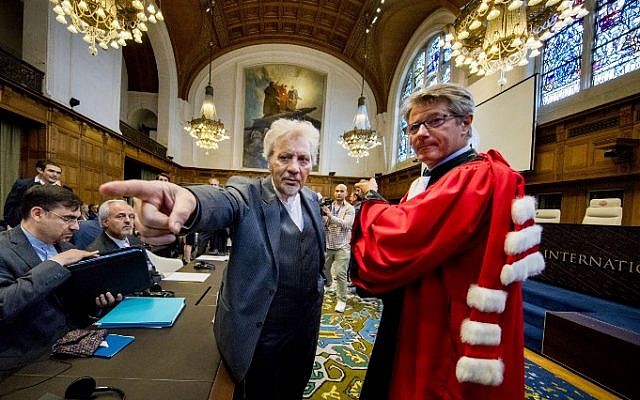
(292, 99)
(275, 91)
(271, 105)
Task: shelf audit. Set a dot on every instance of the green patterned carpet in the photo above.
(346, 341)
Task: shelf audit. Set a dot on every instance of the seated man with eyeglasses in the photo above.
(33, 260)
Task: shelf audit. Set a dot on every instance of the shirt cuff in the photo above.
(191, 221)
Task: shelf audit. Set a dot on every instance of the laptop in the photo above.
(121, 271)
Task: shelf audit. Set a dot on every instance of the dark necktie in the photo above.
(426, 172)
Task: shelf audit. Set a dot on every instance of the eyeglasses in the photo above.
(430, 123)
(67, 219)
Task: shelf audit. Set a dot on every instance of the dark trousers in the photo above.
(215, 240)
(377, 380)
(283, 360)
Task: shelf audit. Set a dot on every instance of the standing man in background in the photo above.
(338, 220)
(48, 172)
(216, 240)
(163, 176)
(173, 249)
(269, 305)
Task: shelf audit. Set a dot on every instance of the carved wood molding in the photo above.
(594, 127)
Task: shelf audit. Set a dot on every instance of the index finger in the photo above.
(132, 188)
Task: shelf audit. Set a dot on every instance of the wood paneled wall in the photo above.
(88, 153)
(394, 185)
(570, 159)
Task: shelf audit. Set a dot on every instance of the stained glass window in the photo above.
(616, 46)
(430, 66)
(561, 60)
(615, 50)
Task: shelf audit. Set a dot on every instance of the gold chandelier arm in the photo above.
(107, 22)
(490, 36)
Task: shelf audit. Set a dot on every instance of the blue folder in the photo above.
(143, 312)
(115, 342)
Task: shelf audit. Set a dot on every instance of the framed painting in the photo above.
(274, 91)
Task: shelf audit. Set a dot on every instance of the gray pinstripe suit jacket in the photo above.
(31, 318)
(252, 210)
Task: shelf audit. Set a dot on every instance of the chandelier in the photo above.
(207, 130)
(497, 35)
(361, 138)
(107, 22)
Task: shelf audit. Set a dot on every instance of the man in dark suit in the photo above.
(33, 260)
(216, 240)
(48, 173)
(88, 231)
(270, 300)
(117, 218)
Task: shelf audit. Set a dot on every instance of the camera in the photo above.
(326, 201)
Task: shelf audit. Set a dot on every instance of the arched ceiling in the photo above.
(335, 27)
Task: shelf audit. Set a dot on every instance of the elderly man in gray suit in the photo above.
(33, 260)
(269, 306)
(117, 219)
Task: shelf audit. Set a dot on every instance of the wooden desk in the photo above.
(598, 260)
(180, 362)
(603, 352)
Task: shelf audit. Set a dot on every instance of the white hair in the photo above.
(103, 211)
(281, 128)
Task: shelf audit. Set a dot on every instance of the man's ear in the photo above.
(37, 212)
(466, 122)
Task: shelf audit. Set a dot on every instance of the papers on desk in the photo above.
(115, 343)
(209, 257)
(143, 312)
(187, 276)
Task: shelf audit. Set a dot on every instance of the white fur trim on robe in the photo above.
(520, 270)
(480, 370)
(523, 209)
(518, 242)
(480, 333)
(486, 300)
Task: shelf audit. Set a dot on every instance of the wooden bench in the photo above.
(602, 352)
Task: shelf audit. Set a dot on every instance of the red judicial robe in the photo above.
(459, 250)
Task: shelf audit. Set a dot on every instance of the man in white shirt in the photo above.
(48, 173)
(338, 220)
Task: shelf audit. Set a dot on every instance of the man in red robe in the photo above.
(448, 261)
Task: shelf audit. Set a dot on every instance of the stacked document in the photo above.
(209, 257)
(143, 312)
(187, 276)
